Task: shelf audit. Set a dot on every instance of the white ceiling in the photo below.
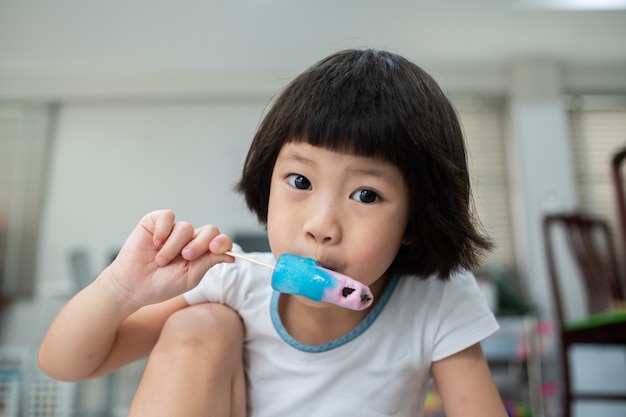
(182, 38)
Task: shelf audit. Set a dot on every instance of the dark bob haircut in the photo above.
(377, 104)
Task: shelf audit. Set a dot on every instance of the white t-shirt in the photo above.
(380, 368)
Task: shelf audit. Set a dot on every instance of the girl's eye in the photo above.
(366, 196)
(299, 181)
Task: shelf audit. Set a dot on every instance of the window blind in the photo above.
(482, 120)
(598, 130)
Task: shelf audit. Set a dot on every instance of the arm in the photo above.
(465, 385)
(118, 318)
(92, 336)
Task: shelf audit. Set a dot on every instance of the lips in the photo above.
(327, 265)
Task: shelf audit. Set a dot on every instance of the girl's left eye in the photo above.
(299, 181)
(366, 196)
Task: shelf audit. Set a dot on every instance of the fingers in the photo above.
(180, 235)
(173, 238)
(207, 239)
(163, 221)
(207, 248)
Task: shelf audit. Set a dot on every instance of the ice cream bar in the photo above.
(303, 276)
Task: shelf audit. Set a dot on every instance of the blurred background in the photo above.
(112, 109)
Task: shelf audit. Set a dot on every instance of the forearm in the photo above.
(84, 332)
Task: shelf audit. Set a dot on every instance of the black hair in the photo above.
(378, 104)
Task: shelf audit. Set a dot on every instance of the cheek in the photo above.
(370, 255)
(277, 224)
(375, 262)
(272, 219)
(379, 248)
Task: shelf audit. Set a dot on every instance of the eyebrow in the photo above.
(373, 172)
(293, 155)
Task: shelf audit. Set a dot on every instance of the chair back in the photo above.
(590, 241)
(620, 190)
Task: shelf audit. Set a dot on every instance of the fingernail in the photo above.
(215, 247)
(187, 253)
(160, 260)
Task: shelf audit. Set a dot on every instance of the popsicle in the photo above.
(303, 276)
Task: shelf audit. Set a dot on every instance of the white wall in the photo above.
(542, 169)
(112, 163)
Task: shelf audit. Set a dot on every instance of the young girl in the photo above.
(360, 164)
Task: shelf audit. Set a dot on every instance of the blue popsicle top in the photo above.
(288, 277)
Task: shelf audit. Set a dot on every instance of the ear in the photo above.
(406, 241)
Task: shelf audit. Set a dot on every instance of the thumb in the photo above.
(207, 261)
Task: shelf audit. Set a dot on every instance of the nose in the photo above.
(323, 224)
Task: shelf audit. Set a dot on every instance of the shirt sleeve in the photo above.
(211, 288)
(464, 318)
(232, 284)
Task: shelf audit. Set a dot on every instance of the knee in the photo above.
(202, 328)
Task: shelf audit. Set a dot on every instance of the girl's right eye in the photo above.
(299, 181)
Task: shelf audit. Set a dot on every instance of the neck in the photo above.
(314, 324)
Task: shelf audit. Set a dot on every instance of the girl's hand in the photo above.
(163, 258)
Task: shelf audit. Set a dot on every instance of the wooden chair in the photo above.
(620, 189)
(603, 287)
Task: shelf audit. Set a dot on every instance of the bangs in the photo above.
(347, 104)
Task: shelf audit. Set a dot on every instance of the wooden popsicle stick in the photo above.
(249, 259)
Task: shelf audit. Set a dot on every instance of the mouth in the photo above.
(328, 266)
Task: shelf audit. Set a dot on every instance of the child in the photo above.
(361, 165)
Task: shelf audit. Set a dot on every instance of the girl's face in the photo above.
(347, 212)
